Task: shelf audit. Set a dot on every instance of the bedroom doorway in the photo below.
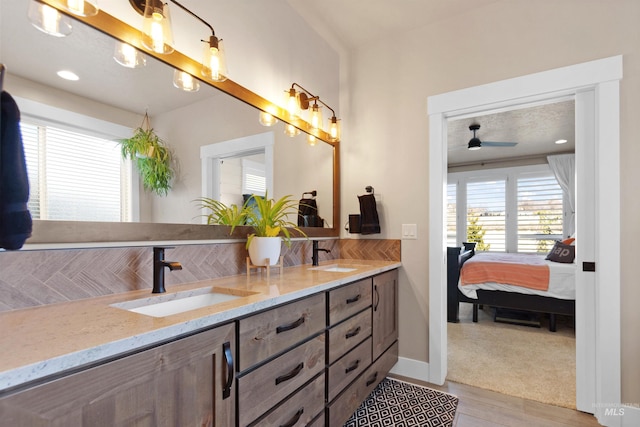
(597, 157)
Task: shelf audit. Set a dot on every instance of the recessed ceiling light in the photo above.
(561, 141)
(68, 75)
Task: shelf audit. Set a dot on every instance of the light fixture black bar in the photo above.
(313, 97)
(194, 15)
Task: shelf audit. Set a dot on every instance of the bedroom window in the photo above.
(516, 209)
(73, 176)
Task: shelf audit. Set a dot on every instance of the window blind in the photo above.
(73, 176)
(539, 213)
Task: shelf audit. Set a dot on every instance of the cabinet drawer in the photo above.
(347, 402)
(300, 408)
(348, 300)
(263, 388)
(267, 334)
(348, 334)
(348, 368)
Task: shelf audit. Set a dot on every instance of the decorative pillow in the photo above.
(569, 241)
(562, 253)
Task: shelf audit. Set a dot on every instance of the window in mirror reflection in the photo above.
(75, 177)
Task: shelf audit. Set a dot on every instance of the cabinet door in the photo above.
(385, 311)
(188, 382)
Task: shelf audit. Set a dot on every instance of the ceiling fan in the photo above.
(476, 144)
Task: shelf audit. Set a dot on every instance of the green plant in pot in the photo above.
(151, 157)
(268, 218)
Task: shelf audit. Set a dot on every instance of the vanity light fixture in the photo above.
(311, 140)
(156, 27)
(128, 56)
(157, 36)
(301, 100)
(266, 118)
(291, 130)
(185, 81)
(48, 20)
(81, 7)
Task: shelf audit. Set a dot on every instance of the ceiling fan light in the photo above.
(475, 144)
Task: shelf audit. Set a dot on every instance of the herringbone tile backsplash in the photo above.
(40, 277)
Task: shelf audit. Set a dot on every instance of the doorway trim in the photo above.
(602, 77)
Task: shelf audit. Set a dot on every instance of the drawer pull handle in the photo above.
(353, 367)
(354, 299)
(228, 356)
(352, 333)
(290, 326)
(293, 373)
(373, 379)
(293, 419)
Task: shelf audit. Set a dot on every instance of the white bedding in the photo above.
(562, 284)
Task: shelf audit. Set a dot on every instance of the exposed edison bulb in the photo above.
(48, 20)
(82, 7)
(292, 103)
(267, 119)
(156, 28)
(334, 129)
(291, 130)
(311, 140)
(214, 64)
(316, 116)
(128, 56)
(185, 81)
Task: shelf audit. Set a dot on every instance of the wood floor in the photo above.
(479, 408)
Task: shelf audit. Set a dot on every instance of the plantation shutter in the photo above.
(254, 179)
(451, 214)
(486, 214)
(540, 212)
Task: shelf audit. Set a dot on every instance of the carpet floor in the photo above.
(397, 403)
(521, 361)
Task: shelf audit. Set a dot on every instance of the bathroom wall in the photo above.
(40, 277)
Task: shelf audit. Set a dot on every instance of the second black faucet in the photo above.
(159, 265)
(316, 249)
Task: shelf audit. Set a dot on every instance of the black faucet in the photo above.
(316, 249)
(158, 268)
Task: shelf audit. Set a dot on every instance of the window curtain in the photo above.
(564, 168)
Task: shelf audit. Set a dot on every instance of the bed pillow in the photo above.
(562, 253)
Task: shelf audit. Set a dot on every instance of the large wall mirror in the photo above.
(210, 132)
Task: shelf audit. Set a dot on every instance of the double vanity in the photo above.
(304, 346)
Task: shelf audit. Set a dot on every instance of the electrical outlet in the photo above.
(409, 231)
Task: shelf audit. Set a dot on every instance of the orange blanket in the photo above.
(529, 271)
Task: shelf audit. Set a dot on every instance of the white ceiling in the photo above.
(349, 24)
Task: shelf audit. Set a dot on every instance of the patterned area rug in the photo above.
(399, 404)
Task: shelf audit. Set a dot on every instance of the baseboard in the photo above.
(411, 368)
(631, 416)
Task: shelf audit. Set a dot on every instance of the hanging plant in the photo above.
(151, 157)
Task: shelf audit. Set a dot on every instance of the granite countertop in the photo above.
(42, 341)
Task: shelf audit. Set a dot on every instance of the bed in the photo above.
(559, 298)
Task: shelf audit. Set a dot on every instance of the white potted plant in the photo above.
(268, 218)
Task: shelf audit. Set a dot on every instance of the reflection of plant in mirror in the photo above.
(267, 217)
(222, 214)
(151, 157)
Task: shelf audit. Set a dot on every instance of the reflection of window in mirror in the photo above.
(75, 174)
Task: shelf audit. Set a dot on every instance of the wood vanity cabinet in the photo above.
(282, 361)
(385, 311)
(354, 371)
(187, 382)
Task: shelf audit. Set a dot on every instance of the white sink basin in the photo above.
(337, 268)
(167, 305)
